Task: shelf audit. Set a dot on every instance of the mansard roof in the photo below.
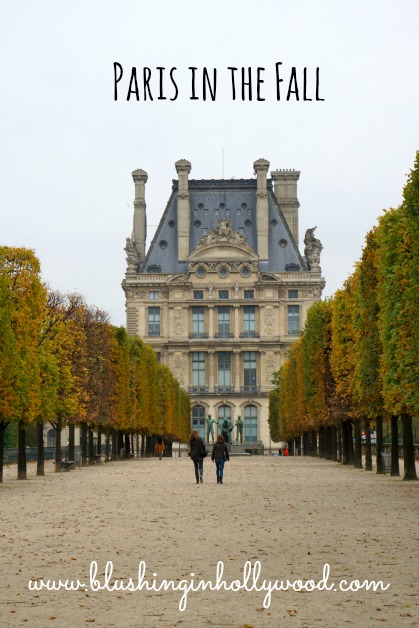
(222, 199)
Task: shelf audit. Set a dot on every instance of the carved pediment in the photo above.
(223, 243)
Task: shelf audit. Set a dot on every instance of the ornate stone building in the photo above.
(223, 290)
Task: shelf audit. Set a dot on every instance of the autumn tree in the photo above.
(24, 296)
(398, 298)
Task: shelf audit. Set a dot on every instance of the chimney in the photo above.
(139, 233)
(183, 168)
(261, 167)
(285, 188)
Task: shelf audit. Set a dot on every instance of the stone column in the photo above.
(261, 167)
(139, 233)
(285, 188)
(211, 321)
(211, 370)
(236, 320)
(236, 371)
(183, 168)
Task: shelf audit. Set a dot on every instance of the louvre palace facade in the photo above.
(223, 290)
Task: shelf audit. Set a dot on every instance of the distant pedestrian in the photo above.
(286, 451)
(219, 456)
(159, 447)
(197, 453)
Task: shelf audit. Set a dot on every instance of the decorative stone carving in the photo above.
(269, 321)
(135, 293)
(311, 293)
(223, 232)
(132, 256)
(313, 248)
(270, 367)
(179, 279)
(178, 323)
(178, 368)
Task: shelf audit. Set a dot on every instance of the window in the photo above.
(293, 294)
(154, 296)
(198, 368)
(224, 412)
(223, 294)
(249, 319)
(250, 424)
(249, 363)
(198, 420)
(294, 320)
(154, 321)
(245, 272)
(201, 272)
(198, 320)
(223, 320)
(223, 272)
(241, 230)
(249, 294)
(224, 368)
(204, 230)
(198, 294)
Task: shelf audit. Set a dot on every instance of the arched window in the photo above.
(250, 424)
(224, 412)
(198, 420)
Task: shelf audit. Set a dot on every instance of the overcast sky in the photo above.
(67, 148)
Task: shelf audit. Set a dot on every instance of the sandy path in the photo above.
(293, 515)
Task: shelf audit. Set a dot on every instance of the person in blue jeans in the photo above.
(219, 456)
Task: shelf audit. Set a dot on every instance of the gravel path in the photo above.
(292, 515)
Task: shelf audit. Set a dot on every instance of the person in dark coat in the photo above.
(219, 456)
(197, 448)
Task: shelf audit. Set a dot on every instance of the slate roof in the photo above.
(210, 201)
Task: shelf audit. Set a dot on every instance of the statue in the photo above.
(210, 288)
(132, 256)
(312, 249)
(236, 289)
(210, 427)
(226, 427)
(239, 429)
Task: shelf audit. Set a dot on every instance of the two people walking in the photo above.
(198, 452)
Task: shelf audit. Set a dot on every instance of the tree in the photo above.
(24, 295)
(398, 289)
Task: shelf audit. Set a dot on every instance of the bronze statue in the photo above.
(239, 429)
(210, 427)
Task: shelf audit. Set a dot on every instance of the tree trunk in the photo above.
(127, 447)
(358, 445)
(120, 444)
(321, 441)
(368, 456)
(339, 442)
(347, 444)
(91, 448)
(99, 441)
(58, 426)
(379, 445)
(132, 444)
(21, 453)
(334, 443)
(314, 443)
(83, 444)
(108, 449)
(138, 445)
(142, 445)
(291, 447)
(40, 451)
(3, 425)
(71, 447)
(408, 448)
(328, 443)
(394, 446)
(114, 445)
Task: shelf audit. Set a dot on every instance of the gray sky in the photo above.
(67, 149)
